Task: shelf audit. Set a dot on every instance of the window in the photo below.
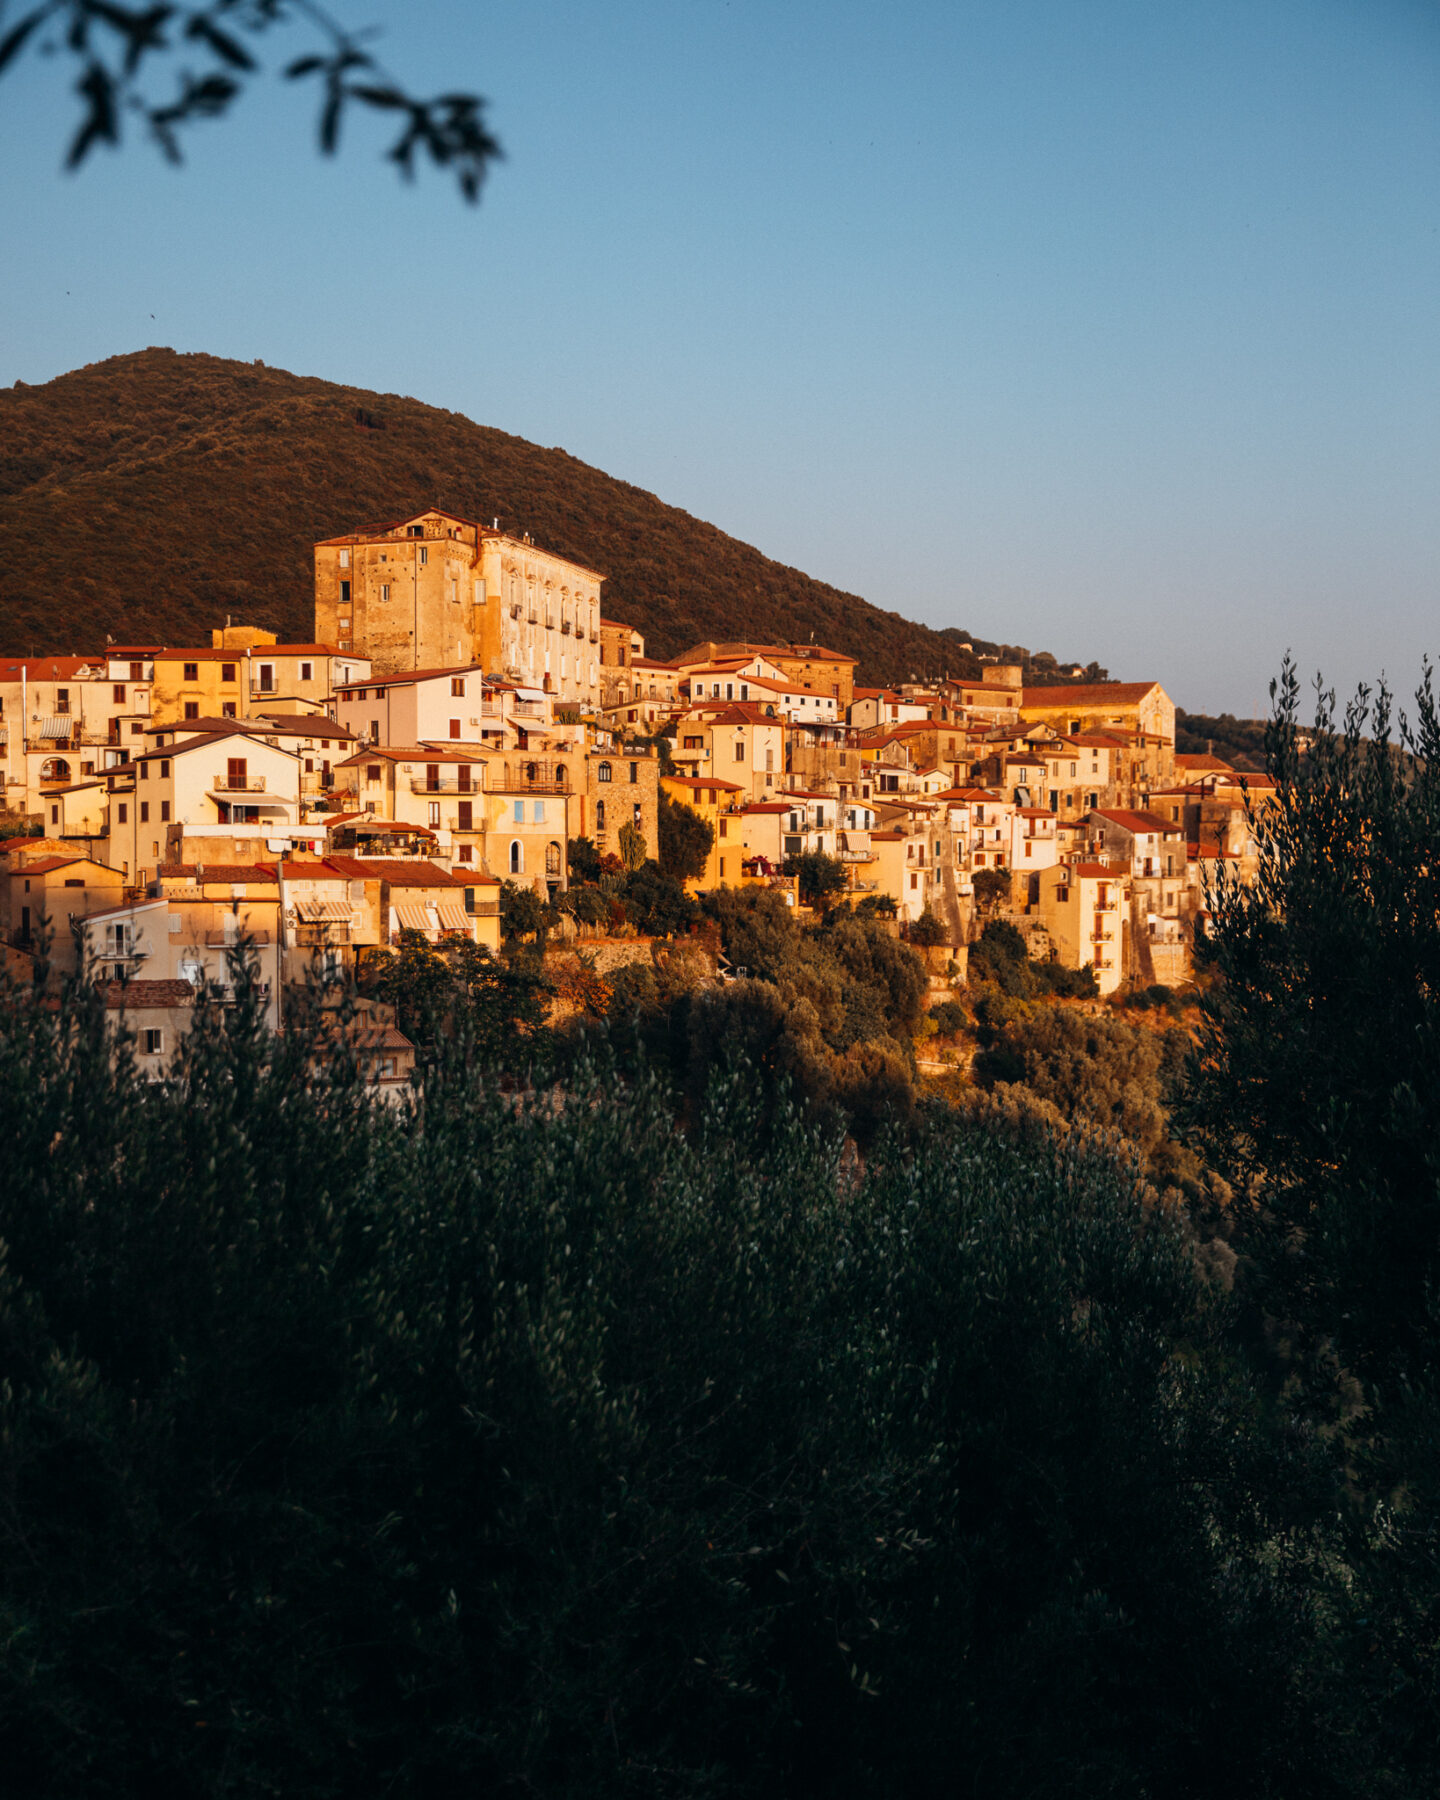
(639, 815)
(137, 671)
(267, 678)
(192, 709)
(462, 778)
(424, 556)
(55, 820)
(344, 589)
(164, 768)
(164, 812)
(634, 772)
(454, 728)
(384, 590)
(152, 1042)
(537, 812)
(118, 691)
(603, 772)
(372, 771)
(457, 686)
(374, 731)
(236, 772)
(599, 815)
(62, 700)
(517, 811)
(227, 709)
(227, 671)
(144, 812)
(465, 816)
(434, 818)
(123, 812)
(191, 672)
(307, 671)
(740, 751)
(466, 854)
(345, 564)
(517, 855)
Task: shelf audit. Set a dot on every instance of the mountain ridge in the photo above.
(130, 491)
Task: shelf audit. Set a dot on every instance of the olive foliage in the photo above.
(500, 1442)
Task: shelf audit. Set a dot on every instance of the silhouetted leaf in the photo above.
(13, 42)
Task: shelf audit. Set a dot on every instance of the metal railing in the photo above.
(422, 784)
(223, 939)
(252, 784)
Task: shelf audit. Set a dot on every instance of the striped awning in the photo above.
(331, 912)
(413, 917)
(56, 728)
(452, 916)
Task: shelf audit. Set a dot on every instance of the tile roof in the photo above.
(400, 873)
(148, 993)
(237, 874)
(1100, 693)
(1135, 821)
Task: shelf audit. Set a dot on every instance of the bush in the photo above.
(928, 931)
(490, 1445)
(949, 1017)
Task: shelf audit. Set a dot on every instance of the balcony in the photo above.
(421, 784)
(227, 940)
(251, 784)
(528, 709)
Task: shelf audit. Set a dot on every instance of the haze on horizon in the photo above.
(1112, 330)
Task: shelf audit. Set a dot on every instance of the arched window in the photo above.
(599, 815)
(552, 860)
(603, 772)
(56, 769)
(517, 857)
(560, 774)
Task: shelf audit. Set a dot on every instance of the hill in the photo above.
(148, 496)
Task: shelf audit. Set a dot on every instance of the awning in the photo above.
(55, 728)
(413, 918)
(529, 693)
(332, 912)
(452, 916)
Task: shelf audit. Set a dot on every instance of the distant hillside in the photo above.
(1241, 742)
(149, 496)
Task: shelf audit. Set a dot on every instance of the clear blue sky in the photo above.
(1110, 327)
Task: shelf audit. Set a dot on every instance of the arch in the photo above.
(517, 857)
(552, 861)
(603, 772)
(56, 769)
(530, 772)
(599, 815)
(560, 773)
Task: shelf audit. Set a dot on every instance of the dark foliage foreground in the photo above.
(531, 1444)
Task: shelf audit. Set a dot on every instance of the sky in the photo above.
(1109, 328)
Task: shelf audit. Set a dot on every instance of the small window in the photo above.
(345, 564)
(118, 692)
(192, 672)
(517, 855)
(537, 811)
(123, 812)
(457, 686)
(424, 555)
(227, 671)
(518, 811)
(372, 771)
(345, 588)
(466, 854)
(634, 771)
(227, 709)
(152, 1041)
(384, 590)
(164, 812)
(165, 768)
(144, 771)
(55, 820)
(374, 731)
(192, 709)
(603, 772)
(454, 728)
(307, 671)
(144, 812)
(434, 818)
(137, 671)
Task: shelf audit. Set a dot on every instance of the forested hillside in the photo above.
(148, 496)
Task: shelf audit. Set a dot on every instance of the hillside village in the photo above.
(465, 713)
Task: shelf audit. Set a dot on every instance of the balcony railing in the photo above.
(225, 784)
(215, 940)
(421, 784)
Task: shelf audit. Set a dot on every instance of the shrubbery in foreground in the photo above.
(539, 1445)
